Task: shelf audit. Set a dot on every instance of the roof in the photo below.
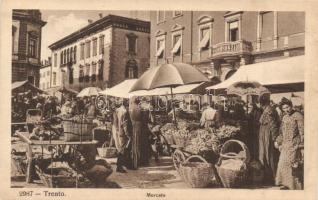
(120, 90)
(18, 84)
(277, 72)
(106, 21)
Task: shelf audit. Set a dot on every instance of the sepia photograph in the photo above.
(157, 99)
(158, 102)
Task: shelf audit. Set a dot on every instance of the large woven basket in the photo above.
(232, 164)
(197, 174)
(53, 180)
(181, 142)
(169, 139)
(107, 151)
(77, 131)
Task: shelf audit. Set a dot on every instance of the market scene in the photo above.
(157, 99)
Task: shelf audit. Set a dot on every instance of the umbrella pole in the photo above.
(172, 104)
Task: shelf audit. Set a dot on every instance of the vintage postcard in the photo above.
(158, 100)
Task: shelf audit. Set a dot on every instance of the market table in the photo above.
(24, 136)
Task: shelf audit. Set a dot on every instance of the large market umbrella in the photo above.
(89, 91)
(169, 75)
(243, 88)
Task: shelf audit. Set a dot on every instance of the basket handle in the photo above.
(196, 156)
(246, 159)
(232, 155)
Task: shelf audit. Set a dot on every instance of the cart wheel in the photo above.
(177, 158)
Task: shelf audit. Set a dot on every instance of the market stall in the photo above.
(48, 149)
(24, 86)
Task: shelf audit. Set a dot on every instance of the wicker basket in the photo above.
(77, 131)
(169, 139)
(107, 151)
(18, 164)
(232, 164)
(54, 180)
(181, 142)
(197, 174)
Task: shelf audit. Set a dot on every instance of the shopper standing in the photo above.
(290, 143)
(268, 131)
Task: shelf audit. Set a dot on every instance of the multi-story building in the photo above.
(220, 42)
(103, 53)
(47, 77)
(26, 45)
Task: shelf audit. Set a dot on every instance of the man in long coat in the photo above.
(121, 134)
(268, 132)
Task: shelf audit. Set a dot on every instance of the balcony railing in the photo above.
(231, 48)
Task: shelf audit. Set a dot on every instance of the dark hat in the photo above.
(285, 101)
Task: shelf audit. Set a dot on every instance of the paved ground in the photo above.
(160, 174)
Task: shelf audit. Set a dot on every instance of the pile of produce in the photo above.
(203, 141)
(182, 137)
(168, 130)
(226, 132)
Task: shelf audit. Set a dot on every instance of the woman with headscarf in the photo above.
(268, 131)
(290, 143)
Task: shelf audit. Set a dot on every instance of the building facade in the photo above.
(47, 77)
(26, 45)
(219, 42)
(102, 54)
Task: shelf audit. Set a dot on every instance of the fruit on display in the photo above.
(227, 131)
(204, 141)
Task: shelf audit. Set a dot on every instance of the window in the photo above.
(94, 68)
(70, 78)
(64, 57)
(61, 58)
(71, 54)
(131, 69)
(14, 30)
(131, 44)
(233, 22)
(176, 44)
(177, 13)
(32, 48)
(54, 78)
(68, 55)
(88, 49)
(94, 47)
(74, 56)
(204, 38)
(81, 75)
(100, 70)
(82, 51)
(160, 48)
(48, 73)
(88, 68)
(233, 31)
(55, 60)
(101, 44)
(94, 72)
(160, 16)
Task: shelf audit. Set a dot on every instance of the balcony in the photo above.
(236, 48)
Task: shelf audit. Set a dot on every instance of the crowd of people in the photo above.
(275, 132)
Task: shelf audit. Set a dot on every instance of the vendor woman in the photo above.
(208, 116)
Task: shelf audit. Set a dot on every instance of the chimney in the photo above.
(100, 15)
(90, 21)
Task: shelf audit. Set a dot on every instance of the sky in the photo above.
(61, 23)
